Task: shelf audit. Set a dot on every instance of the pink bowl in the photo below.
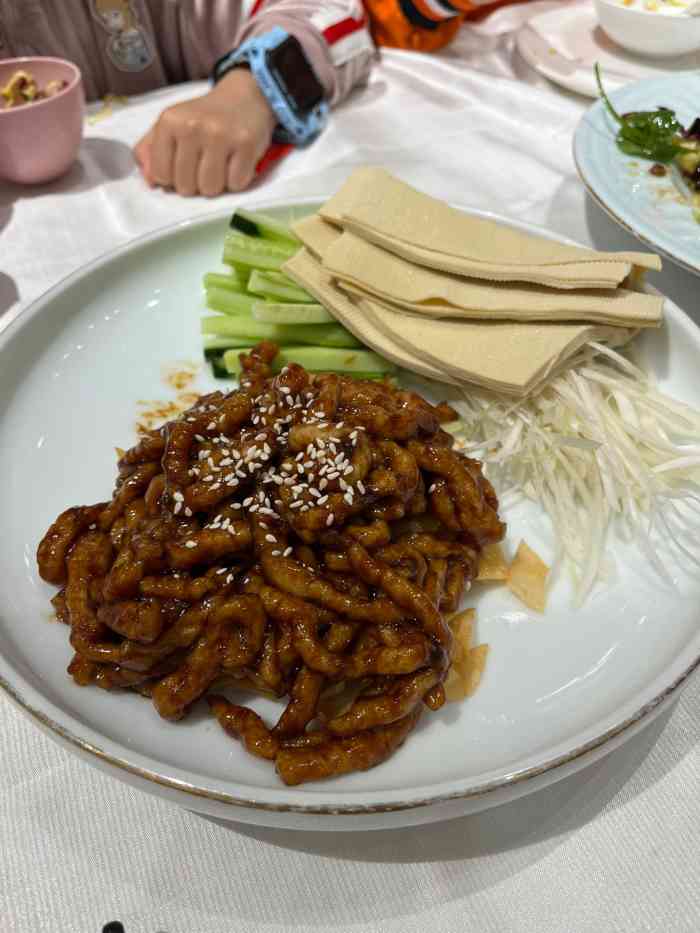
(39, 142)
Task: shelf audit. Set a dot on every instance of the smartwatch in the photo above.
(277, 61)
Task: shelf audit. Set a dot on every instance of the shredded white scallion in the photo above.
(598, 442)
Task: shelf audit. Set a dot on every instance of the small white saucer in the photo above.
(565, 43)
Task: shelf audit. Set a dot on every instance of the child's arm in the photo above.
(213, 143)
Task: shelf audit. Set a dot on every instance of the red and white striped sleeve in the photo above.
(333, 33)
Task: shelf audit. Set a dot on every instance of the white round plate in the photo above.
(650, 208)
(560, 689)
(564, 44)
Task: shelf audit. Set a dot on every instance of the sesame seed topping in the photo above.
(361, 486)
(432, 488)
(330, 520)
(322, 500)
(190, 544)
(287, 551)
(271, 538)
(277, 553)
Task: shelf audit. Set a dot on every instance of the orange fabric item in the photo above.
(391, 28)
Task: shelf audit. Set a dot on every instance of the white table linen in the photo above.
(614, 848)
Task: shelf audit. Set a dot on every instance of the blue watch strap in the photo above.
(293, 127)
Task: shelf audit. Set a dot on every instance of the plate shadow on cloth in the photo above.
(9, 293)
(452, 853)
(99, 161)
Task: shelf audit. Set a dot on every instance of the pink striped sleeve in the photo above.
(334, 35)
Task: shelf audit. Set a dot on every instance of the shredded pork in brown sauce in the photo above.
(303, 536)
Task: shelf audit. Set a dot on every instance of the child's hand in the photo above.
(210, 144)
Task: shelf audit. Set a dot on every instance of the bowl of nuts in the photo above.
(41, 118)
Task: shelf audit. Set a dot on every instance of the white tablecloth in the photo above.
(614, 848)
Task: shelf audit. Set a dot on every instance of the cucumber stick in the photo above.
(230, 303)
(262, 284)
(253, 223)
(322, 335)
(231, 283)
(214, 344)
(257, 253)
(291, 313)
(321, 359)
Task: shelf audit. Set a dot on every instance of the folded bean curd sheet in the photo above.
(391, 214)
(305, 269)
(510, 358)
(507, 357)
(368, 271)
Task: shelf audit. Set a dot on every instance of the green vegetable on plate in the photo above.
(647, 134)
(256, 301)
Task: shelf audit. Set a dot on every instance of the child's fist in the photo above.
(210, 144)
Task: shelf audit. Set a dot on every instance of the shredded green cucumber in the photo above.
(228, 302)
(291, 313)
(262, 284)
(218, 367)
(322, 335)
(321, 359)
(214, 344)
(253, 223)
(255, 252)
(231, 283)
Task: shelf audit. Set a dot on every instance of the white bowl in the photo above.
(649, 33)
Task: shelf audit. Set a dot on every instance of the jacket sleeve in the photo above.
(333, 33)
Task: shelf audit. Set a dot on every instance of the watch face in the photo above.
(295, 75)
